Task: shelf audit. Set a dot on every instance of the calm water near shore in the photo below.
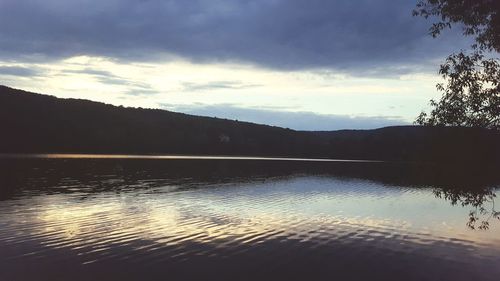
(133, 218)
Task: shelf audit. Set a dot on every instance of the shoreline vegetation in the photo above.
(41, 124)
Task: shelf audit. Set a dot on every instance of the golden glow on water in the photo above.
(175, 157)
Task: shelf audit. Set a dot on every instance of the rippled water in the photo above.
(185, 219)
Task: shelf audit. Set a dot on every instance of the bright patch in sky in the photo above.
(308, 65)
(232, 90)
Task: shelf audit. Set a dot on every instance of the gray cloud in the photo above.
(294, 120)
(18, 71)
(347, 35)
(134, 88)
(216, 85)
(90, 71)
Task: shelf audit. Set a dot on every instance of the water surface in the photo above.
(227, 219)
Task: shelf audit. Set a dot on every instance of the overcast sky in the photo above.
(302, 64)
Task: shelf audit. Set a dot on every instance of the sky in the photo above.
(300, 64)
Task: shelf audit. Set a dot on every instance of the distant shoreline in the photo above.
(40, 124)
(174, 157)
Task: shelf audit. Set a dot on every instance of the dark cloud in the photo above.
(18, 71)
(287, 119)
(346, 35)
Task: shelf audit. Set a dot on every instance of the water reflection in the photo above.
(482, 202)
(143, 219)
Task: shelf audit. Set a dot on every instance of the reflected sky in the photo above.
(283, 219)
(280, 203)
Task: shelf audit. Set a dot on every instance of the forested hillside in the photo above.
(35, 123)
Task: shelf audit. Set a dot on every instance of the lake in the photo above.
(171, 218)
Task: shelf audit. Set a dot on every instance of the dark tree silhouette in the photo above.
(482, 202)
(471, 95)
(471, 92)
(479, 18)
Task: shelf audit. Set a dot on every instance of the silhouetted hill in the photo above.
(416, 143)
(34, 123)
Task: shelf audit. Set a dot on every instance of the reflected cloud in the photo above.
(165, 213)
(215, 215)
